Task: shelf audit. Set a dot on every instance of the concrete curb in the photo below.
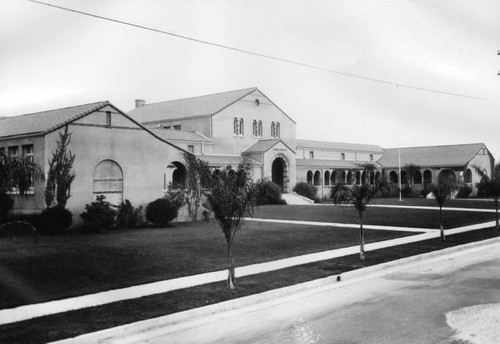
(280, 295)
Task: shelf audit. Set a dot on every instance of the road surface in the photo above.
(425, 303)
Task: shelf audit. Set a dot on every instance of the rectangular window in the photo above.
(177, 127)
(342, 156)
(191, 148)
(28, 151)
(166, 127)
(311, 154)
(108, 118)
(13, 151)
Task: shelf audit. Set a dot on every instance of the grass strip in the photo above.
(70, 324)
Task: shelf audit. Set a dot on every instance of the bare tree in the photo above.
(442, 191)
(490, 186)
(359, 197)
(198, 176)
(231, 199)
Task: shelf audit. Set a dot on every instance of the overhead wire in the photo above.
(248, 52)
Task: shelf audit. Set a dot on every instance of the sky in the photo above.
(385, 72)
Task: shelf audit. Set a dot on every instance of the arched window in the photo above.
(363, 177)
(349, 178)
(108, 181)
(393, 177)
(254, 128)
(260, 128)
(309, 177)
(317, 178)
(277, 129)
(377, 177)
(235, 125)
(371, 157)
(358, 178)
(427, 177)
(334, 178)
(327, 177)
(342, 156)
(273, 129)
(417, 178)
(242, 129)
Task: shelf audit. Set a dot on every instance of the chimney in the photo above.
(139, 103)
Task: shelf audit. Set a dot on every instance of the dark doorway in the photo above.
(278, 172)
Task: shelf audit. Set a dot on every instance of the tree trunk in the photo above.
(443, 238)
(231, 276)
(361, 239)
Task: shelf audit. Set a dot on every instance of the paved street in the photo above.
(405, 306)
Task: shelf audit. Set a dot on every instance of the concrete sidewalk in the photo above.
(42, 309)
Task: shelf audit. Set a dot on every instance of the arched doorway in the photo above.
(279, 173)
(108, 181)
(175, 174)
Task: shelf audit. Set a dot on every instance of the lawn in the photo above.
(70, 265)
(420, 218)
(70, 324)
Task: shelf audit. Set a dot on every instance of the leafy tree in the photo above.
(19, 173)
(490, 186)
(359, 197)
(198, 176)
(411, 169)
(231, 199)
(61, 173)
(442, 191)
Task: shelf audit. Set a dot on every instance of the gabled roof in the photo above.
(176, 135)
(339, 146)
(189, 107)
(264, 145)
(449, 155)
(45, 121)
(341, 164)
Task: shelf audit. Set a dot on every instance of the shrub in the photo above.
(406, 191)
(54, 220)
(162, 211)
(306, 190)
(33, 219)
(129, 216)
(464, 191)
(426, 190)
(268, 193)
(98, 215)
(6, 203)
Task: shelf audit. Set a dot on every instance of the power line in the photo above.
(248, 52)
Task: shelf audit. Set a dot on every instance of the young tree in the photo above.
(198, 176)
(442, 191)
(359, 197)
(411, 169)
(61, 174)
(490, 186)
(232, 198)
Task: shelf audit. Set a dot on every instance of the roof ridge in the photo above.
(430, 146)
(58, 109)
(205, 95)
(344, 143)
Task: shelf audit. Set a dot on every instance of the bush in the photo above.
(162, 211)
(268, 193)
(426, 190)
(54, 220)
(6, 203)
(98, 215)
(33, 219)
(406, 191)
(128, 216)
(464, 191)
(306, 190)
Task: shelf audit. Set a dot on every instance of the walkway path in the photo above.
(42, 309)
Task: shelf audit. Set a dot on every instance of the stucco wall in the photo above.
(225, 142)
(142, 158)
